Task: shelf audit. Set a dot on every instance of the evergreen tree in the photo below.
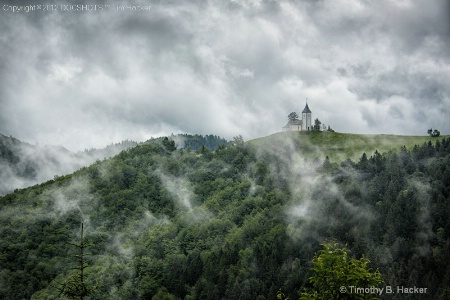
(317, 124)
(363, 162)
(75, 287)
(169, 144)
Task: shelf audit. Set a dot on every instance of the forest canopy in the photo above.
(238, 222)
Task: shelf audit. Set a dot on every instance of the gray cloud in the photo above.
(83, 79)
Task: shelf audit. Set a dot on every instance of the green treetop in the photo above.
(293, 116)
(336, 275)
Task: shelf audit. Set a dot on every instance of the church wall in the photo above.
(306, 118)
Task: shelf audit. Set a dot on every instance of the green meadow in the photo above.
(340, 146)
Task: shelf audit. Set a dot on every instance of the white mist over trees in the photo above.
(23, 164)
(239, 222)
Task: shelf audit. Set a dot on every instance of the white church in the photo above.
(300, 125)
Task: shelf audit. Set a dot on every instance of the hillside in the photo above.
(23, 164)
(340, 146)
(239, 222)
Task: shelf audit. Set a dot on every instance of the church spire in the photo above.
(306, 109)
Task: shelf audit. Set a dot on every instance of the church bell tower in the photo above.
(306, 118)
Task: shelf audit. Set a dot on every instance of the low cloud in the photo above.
(179, 189)
(317, 204)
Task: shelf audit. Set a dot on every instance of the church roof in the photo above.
(306, 109)
(293, 122)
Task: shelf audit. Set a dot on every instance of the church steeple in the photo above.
(306, 117)
(306, 109)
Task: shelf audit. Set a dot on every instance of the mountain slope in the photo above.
(237, 223)
(23, 164)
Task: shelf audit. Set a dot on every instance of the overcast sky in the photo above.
(85, 79)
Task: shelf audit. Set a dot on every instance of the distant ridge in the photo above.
(23, 164)
(340, 146)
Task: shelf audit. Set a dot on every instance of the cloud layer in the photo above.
(88, 78)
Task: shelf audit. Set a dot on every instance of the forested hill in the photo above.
(236, 223)
(23, 164)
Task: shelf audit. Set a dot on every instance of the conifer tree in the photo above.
(75, 287)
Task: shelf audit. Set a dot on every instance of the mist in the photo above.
(316, 201)
(23, 165)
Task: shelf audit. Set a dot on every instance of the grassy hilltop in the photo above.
(340, 146)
